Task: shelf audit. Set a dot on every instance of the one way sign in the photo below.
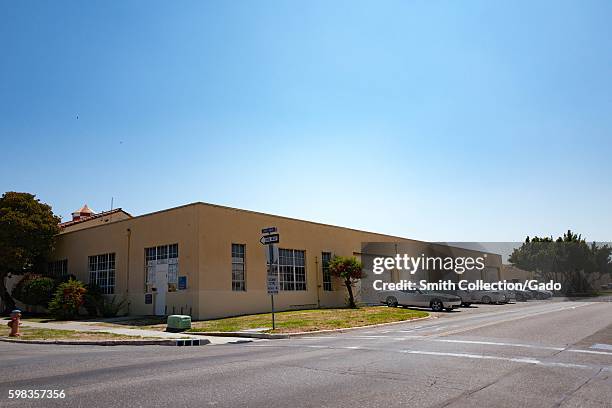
(270, 239)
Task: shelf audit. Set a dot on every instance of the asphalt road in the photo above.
(535, 354)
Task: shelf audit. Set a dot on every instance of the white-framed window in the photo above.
(102, 272)
(58, 269)
(327, 278)
(162, 254)
(238, 267)
(291, 269)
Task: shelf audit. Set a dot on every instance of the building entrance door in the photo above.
(161, 284)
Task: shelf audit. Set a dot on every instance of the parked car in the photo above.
(523, 295)
(465, 295)
(510, 295)
(435, 300)
(479, 296)
(541, 294)
(488, 296)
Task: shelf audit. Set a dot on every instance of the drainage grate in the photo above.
(189, 342)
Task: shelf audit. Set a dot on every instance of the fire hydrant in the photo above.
(14, 323)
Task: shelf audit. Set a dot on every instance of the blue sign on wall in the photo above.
(182, 282)
(148, 298)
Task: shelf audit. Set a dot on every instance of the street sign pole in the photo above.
(271, 238)
(271, 272)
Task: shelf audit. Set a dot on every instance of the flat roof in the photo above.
(258, 213)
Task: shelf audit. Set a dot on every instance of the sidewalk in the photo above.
(92, 327)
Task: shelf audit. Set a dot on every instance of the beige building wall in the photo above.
(221, 226)
(128, 239)
(204, 234)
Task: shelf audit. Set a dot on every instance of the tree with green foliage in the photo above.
(569, 260)
(69, 297)
(27, 235)
(350, 270)
(35, 290)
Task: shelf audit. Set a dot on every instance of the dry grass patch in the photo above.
(34, 333)
(311, 320)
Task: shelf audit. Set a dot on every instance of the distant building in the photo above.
(512, 273)
(85, 218)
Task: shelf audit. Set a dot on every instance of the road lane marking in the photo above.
(492, 343)
(315, 338)
(484, 343)
(491, 323)
(474, 356)
(369, 337)
(519, 359)
(601, 346)
(526, 312)
(590, 352)
(526, 360)
(539, 309)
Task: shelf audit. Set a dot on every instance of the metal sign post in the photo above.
(270, 240)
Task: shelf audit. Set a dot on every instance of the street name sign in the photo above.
(268, 230)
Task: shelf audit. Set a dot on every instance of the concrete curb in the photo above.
(271, 336)
(162, 342)
(242, 334)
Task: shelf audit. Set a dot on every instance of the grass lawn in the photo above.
(31, 333)
(311, 320)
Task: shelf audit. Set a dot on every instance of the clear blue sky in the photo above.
(447, 120)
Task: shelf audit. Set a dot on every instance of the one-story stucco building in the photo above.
(206, 260)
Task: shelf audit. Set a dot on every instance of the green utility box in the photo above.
(177, 323)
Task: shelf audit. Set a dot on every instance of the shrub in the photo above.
(68, 298)
(93, 300)
(35, 290)
(111, 308)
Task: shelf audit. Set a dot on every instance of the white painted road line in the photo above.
(601, 346)
(526, 360)
(514, 318)
(519, 359)
(482, 343)
(492, 343)
(590, 352)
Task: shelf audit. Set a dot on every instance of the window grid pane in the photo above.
(238, 267)
(173, 251)
(57, 269)
(327, 279)
(102, 272)
(161, 254)
(292, 269)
